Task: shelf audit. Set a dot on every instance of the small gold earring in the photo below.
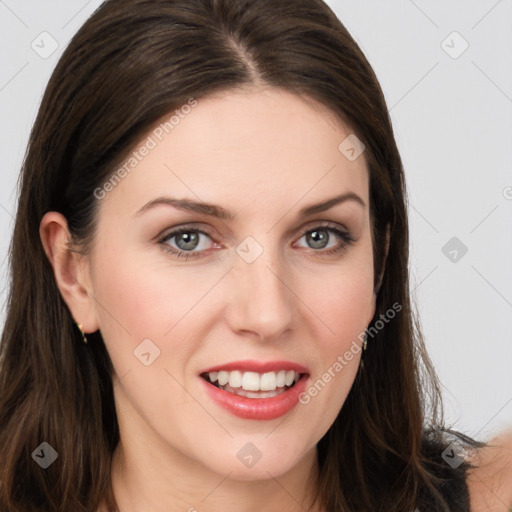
(82, 332)
(365, 344)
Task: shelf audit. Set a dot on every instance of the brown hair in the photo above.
(130, 64)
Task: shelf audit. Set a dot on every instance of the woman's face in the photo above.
(264, 283)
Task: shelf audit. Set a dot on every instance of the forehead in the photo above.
(256, 147)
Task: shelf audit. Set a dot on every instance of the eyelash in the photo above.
(346, 237)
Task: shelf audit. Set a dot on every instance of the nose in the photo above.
(261, 300)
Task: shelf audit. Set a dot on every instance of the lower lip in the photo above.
(257, 408)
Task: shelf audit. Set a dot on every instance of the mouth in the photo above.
(254, 385)
(256, 390)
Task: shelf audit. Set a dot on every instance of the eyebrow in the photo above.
(221, 213)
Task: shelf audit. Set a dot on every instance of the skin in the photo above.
(263, 154)
(490, 483)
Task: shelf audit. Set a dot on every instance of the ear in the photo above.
(70, 268)
(381, 276)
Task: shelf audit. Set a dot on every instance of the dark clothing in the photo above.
(446, 463)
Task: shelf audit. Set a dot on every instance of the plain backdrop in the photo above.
(446, 71)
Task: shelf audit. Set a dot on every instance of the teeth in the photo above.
(268, 381)
(235, 379)
(250, 381)
(253, 381)
(223, 378)
(254, 394)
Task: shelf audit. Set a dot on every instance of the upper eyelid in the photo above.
(324, 224)
(193, 226)
(166, 233)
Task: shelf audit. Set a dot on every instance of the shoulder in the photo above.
(490, 480)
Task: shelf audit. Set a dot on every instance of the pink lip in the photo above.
(257, 408)
(258, 366)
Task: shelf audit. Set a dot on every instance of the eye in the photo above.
(188, 242)
(319, 238)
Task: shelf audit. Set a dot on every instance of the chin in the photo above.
(250, 458)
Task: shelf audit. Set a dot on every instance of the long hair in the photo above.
(131, 63)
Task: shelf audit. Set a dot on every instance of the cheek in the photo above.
(341, 302)
(342, 299)
(341, 309)
(128, 296)
(130, 307)
(142, 299)
(142, 293)
(342, 318)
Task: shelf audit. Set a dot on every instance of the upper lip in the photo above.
(258, 366)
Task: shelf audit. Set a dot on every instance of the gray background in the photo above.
(452, 115)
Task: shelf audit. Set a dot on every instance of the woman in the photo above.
(209, 302)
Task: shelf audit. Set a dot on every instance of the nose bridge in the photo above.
(264, 304)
